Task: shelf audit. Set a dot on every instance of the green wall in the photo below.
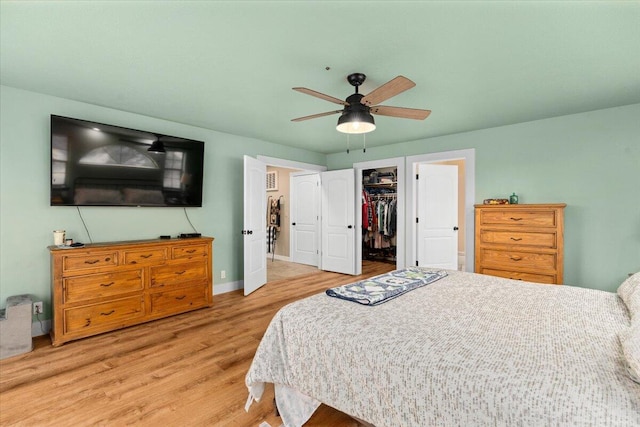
(27, 221)
(590, 161)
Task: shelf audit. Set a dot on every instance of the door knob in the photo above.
(349, 226)
(455, 228)
(293, 223)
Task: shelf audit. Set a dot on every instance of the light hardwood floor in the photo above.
(186, 370)
(278, 269)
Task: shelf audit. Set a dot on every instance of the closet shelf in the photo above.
(381, 185)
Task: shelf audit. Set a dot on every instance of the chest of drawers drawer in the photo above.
(518, 260)
(96, 316)
(521, 218)
(145, 256)
(83, 288)
(89, 261)
(519, 275)
(177, 300)
(519, 238)
(177, 274)
(194, 251)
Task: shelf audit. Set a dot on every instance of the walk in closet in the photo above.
(379, 214)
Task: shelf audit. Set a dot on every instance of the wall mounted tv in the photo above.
(94, 164)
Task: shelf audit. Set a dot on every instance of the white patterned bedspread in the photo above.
(468, 350)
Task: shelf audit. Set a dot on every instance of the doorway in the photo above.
(465, 162)
(389, 168)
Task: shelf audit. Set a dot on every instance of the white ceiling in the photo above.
(230, 66)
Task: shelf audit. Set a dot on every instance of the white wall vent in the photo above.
(272, 181)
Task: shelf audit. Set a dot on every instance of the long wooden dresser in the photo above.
(523, 242)
(106, 286)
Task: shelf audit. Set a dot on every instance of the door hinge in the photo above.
(417, 176)
(416, 263)
(417, 220)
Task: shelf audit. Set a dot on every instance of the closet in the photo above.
(379, 214)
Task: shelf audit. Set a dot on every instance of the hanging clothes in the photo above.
(271, 239)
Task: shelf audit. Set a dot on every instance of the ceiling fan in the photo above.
(358, 109)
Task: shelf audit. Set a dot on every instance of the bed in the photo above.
(465, 350)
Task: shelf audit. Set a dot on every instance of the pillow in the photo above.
(629, 292)
(630, 340)
(97, 196)
(136, 196)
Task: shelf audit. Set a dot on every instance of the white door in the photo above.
(255, 224)
(437, 216)
(305, 214)
(338, 221)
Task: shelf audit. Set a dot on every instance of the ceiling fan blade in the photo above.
(405, 113)
(320, 95)
(387, 90)
(313, 116)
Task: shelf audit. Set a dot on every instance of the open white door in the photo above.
(305, 214)
(437, 219)
(254, 232)
(338, 221)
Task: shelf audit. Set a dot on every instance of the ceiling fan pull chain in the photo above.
(347, 143)
(364, 139)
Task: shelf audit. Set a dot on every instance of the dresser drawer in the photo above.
(192, 251)
(146, 256)
(88, 261)
(517, 238)
(178, 274)
(177, 300)
(82, 288)
(518, 275)
(96, 316)
(508, 260)
(518, 217)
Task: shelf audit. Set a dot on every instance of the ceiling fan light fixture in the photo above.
(157, 147)
(355, 122)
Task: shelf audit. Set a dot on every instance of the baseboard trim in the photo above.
(228, 287)
(278, 257)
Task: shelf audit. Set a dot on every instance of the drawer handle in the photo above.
(93, 261)
(515, 258)
(108, 314)
(190, 251)
(106, 285)
(515, 219)
(181, 272)
(146, 256)
(181, 298)
(516, 239)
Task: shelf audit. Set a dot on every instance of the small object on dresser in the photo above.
(165, 236)
(513, 199)
(495, 202)
(68, 242)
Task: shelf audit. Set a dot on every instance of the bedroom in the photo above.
(578, 146)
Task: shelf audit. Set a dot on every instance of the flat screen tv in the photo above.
(94, 164)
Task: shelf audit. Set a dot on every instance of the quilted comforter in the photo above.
(468, 350)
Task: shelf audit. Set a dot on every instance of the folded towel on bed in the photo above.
(379, 289)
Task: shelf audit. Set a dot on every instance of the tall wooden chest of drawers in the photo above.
(106, 286)
(523, 242)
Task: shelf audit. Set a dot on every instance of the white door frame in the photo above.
(399, 163)
(469, 157)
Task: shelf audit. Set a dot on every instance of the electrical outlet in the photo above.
(37, 307)
(223, 274)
